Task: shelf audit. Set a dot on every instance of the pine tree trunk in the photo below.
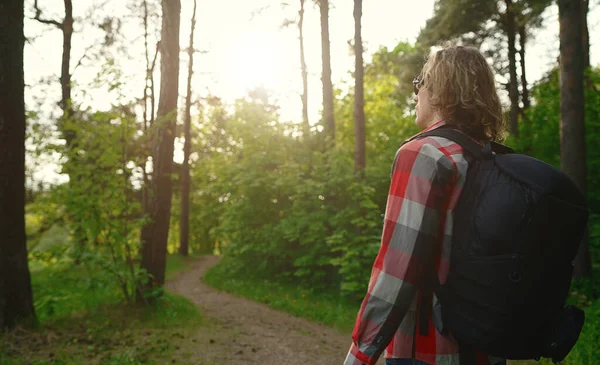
(524, 85)
(326, 76)
(16, 298)
(359, 94)
(572, 109)
(65, 71)
(585, 33)
(155, 232)
(305, 123)
(184, 224)
(513, 90)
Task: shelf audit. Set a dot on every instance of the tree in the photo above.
(66, 27)
(16, 298)
(510, 28)
(185, 169)
(485, 21)
(155, 232)
(585, 34)
(359, 93)
(524, 87)
(149, 96)
(529, 16)
(328, 118)
(572, 109)
(305, 123)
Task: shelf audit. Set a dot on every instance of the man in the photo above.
(456, 87)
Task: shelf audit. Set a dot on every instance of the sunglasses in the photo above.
(417, 83)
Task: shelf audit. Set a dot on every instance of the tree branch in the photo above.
(38, 14)
(82, 58)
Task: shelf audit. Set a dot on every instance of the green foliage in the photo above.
(95, 218)
(279, 205)
(540, 128)
(586, 349)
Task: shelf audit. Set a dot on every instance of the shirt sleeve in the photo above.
(419, 194)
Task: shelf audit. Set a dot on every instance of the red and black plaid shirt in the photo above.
(426, 183)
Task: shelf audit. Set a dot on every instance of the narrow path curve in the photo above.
(247, 332)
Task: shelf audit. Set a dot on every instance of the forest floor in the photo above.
(229, 330)
(252, 333)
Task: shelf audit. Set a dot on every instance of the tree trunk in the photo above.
(184, 224)
(148, 115)
(68, 132)
(524, 85)
(155, 232)
(65, 72)
(16, 298)
(513, 90)
(326, 76)
(305, 123)
(585, 33)
(572, 126)
(359, 94)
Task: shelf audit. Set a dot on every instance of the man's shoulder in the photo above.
(433, 145)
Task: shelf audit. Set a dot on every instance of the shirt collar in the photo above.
(431, 127)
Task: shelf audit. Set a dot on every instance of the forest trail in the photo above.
(247, 332)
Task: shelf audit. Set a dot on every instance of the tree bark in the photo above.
(359, 94)
(524, 85)
(585, 34)
(513, 90)
(65, 71)
(305, 123)
(184, 223)
(16, 298)
(572, 109)
(326, 76)
(155, 232)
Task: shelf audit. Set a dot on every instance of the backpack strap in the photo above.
(466, 142)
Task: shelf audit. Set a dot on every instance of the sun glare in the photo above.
(257, 62)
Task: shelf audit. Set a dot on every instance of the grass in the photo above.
(324, 308)
(83, 321)
(177, 263)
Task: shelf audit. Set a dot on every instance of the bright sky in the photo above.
(244, 52)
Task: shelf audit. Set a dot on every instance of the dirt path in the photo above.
(246, 332)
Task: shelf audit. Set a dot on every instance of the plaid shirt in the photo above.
(426, 184)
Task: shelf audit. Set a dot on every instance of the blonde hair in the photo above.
(462, 90)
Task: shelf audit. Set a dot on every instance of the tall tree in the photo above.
(359, 93)
(326, 75)
(184, 223)
(485, 20)
(585, 34)
(524, 86)
(155, 232)
(16, 298)
(305, 123)
(66, 27)
(149, 112)
(572, 108)
(529, 16)
(513, 86)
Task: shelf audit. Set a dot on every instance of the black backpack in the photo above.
(517, 228)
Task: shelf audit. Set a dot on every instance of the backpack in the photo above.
(518, 225)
